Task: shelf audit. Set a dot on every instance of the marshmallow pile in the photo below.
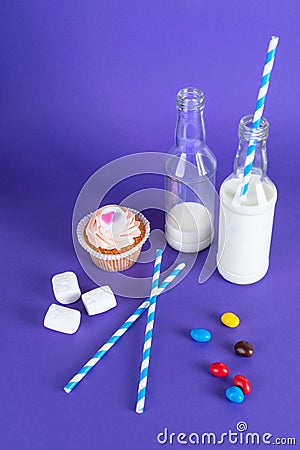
(66, 291)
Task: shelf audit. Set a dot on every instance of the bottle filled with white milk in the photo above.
(245, 228)
(190, 171)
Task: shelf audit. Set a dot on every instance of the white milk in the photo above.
(245, 230)
(188, 227)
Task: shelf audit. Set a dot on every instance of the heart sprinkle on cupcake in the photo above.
(107, 218)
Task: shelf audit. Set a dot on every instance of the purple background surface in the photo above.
(86, 82)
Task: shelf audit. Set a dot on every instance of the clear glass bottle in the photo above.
(190, 172)
(245, 227)
(260, 135)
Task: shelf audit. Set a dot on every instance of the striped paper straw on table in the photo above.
(119, 333)
(259, 109)
(141, 397)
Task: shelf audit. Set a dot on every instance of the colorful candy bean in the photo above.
(235, 394)
(230, 320)
(244, 348)
(201, 335)
(243, 383)
(219, 369)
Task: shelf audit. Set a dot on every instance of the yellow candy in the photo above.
(230, 320)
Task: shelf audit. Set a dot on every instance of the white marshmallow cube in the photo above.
(65, 287)
(99, 300)
(62, 319)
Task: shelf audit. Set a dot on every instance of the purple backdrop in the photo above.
(86, 82)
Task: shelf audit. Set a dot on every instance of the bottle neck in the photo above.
(190, 130)
(259, 137)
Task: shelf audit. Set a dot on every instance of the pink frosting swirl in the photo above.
(112, 227)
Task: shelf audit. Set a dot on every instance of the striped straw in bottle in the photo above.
(259, 109)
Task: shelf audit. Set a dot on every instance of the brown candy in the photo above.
(244, 348)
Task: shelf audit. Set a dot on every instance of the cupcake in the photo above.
(113, 236)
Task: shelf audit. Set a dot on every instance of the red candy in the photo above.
(219, 369)
(243, 383)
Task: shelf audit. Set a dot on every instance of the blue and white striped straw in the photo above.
(260, 104)
(119, 333)
(141, 397)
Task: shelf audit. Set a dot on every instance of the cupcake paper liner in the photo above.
(112, 262)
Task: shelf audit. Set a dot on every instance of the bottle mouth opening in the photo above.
(245, 129)
(190, 99)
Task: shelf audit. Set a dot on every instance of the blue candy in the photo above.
(235, 394)
(201, 335)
